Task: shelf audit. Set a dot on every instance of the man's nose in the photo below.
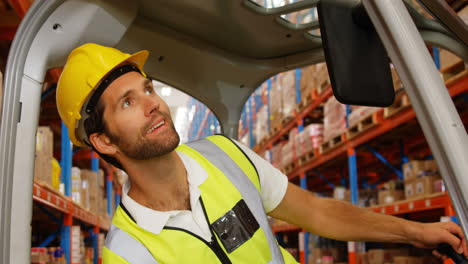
(151, 105)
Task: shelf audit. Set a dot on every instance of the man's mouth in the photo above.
(156, 126)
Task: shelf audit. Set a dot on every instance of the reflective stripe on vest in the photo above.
(221, 160)
(127, 247)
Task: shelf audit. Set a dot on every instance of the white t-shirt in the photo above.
(273, 185)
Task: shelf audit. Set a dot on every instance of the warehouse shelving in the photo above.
(381, 126)
(384, 126)
(433, 201)
(49, 197)
(456, 86)
(204, 122)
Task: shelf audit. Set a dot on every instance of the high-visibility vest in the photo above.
(232, 206)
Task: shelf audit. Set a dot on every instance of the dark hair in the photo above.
(95, 124)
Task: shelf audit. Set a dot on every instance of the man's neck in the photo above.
(160, 184)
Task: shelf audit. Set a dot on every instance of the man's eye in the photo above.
(126, 103)
(149, 90)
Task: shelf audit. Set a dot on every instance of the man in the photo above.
(206, 201)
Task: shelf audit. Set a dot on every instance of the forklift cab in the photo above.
(219, 52)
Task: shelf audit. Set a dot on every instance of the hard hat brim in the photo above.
(139, 59)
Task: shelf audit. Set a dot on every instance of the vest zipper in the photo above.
(214, 245)
(214, 242)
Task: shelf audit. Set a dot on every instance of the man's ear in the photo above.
(102, 143)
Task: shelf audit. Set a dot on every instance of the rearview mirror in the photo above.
(357, 62)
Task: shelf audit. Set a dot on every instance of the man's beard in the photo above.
(144, 149)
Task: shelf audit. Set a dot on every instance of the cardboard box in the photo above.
(431, 165)
(439, 186)
(76, 185)
(359, 113)
(447, 59)
(397, 85)
(409, 189)
(321, 76)
(289, 149)
(261, 125)
(43, 155)
(334, 122)
(317, 254)
(413, 169)
(381, 256)
(101, 178)
(276, 104)
(376, 256)
(288, 88)
(307, 82)
(362, 258)
(44, 141)
(424, 186)
(327, 260)
(76, 241)
(276, 154)
(408, 260)
(309, 139)
(390, 196)
(463, 14)
(421, 186)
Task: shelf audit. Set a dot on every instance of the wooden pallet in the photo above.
(321, 87)
(306, 157)
(451, 72)
(289, 168)
(273, 131)
(456, 77)
(401, 102)
(332, 143)
(363, 125)
(263, 142)
(306, 100)
(286, 120)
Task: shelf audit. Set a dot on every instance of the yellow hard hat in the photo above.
(85, 73)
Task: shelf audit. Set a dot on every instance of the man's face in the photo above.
(138, 121)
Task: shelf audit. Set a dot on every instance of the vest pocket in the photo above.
(236, 226)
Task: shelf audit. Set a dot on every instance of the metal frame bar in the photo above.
(249, 113)
(65, 235)
(436, 56)
(441, 10)
(277, 11)
(66, 160)
(431, 101)
(50, 238)
(49, 214)
(353, 175)
(303, 183)
(268, 102)
(384, 161)
(95, 231)
(109, 193)
(323, 178)
(49, 90)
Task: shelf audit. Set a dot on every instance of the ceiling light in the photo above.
(166, 91)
